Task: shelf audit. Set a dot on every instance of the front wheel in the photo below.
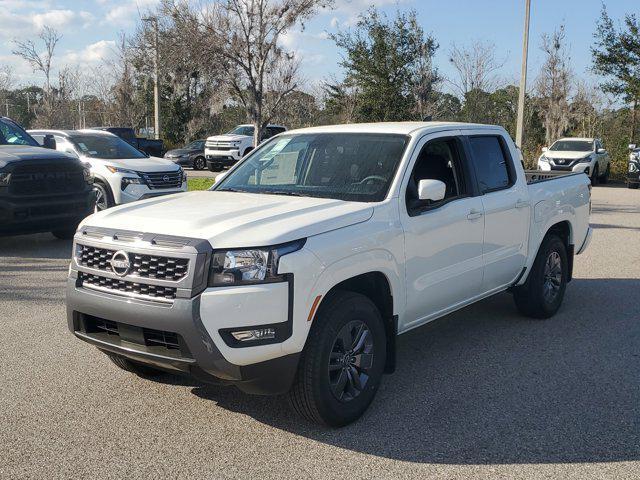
(633, 186)
(595, 175)
(342, 364)
(64, 234)
(103, 197)
(542, 293)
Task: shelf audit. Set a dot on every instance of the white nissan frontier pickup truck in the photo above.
(296, 271)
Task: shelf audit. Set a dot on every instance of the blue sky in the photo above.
(90, 28)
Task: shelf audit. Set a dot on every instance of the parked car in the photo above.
(191, 155)
(633, 175)
(225, 150)
(149, 146)
(122, 173)
(41, 190)
(577, 155)
(324, 244)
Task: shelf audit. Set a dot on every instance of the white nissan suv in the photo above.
(577, 155)
(122, 173)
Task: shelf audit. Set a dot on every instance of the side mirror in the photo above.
(601, 150)
(632, 146)
(49, 142)
(544, 149)
(430, 189)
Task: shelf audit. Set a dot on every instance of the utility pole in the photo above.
(156, 87)
(523, 75)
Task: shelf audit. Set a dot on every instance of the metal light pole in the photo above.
(156, 86)
(523, 75)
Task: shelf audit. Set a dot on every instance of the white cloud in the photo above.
(128, 12)
(20, 25)
(91, 54)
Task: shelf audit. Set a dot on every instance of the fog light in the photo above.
(258, 334)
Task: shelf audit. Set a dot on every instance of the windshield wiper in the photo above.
(231, 189)
(283, 192)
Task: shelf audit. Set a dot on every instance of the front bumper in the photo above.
(20, 215)
(196, 317)
(198, 355)
(139, 192)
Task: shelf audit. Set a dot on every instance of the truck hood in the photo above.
(147, 165)
(15, 153)
(566, 155)
(233, 219)
(227, 137)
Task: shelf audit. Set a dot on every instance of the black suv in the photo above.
(41, 190)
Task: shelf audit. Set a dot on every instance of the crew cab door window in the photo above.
(492, 169)
(443, 240)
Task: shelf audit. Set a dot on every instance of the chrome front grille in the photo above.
(149, 266)
(144, 266)
(219, 145)
(155, 292)
(159, 180)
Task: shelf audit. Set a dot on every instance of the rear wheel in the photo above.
(542, 293)
(342, 364)
(199, 163)
(133, 367)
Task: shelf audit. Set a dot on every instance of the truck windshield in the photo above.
(12, 134)
(105, 146)
(343, 166)
(242, 130)
(572, 146)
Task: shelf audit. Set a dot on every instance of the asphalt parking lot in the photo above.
(483, 393)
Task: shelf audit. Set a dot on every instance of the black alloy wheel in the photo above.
(350, 361)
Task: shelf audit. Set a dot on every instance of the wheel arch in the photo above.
(564, 230)
(376, 286)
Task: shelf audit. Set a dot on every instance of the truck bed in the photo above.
(536, 176)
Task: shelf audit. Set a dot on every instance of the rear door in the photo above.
(505, 200)
(443, 240)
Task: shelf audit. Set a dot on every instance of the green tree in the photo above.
(616, 56)
(388, 68)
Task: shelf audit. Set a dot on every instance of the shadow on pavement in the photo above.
(486, 386)
(42, 245)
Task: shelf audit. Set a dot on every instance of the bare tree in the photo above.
(242, 39)
(553, 85)
(41, 62)
(586, 110)
(476, 67)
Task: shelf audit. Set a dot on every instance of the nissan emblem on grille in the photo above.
(120, 263)
(166, 178)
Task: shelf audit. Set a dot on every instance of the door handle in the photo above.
(474, 215)
(522, 204)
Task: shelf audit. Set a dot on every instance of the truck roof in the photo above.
(575, 139)
(403, 128)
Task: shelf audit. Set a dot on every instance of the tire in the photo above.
(542, 293)
(247, 151)
(133, 367)
(199, 163)
(65, 234)
(633, 186)
(605, 178)
(594, 176)
(215, 167)
(342, 318)
(104, 198)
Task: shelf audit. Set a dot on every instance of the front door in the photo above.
(443, 240)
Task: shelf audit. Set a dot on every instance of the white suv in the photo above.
(122, 173)
(577, 155)
(225, 150)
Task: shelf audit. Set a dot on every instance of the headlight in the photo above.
(121, 170)
(126, 181)
(4, 179)
(543, 159)
(586, 159)
(243, 266)
(633, 167)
